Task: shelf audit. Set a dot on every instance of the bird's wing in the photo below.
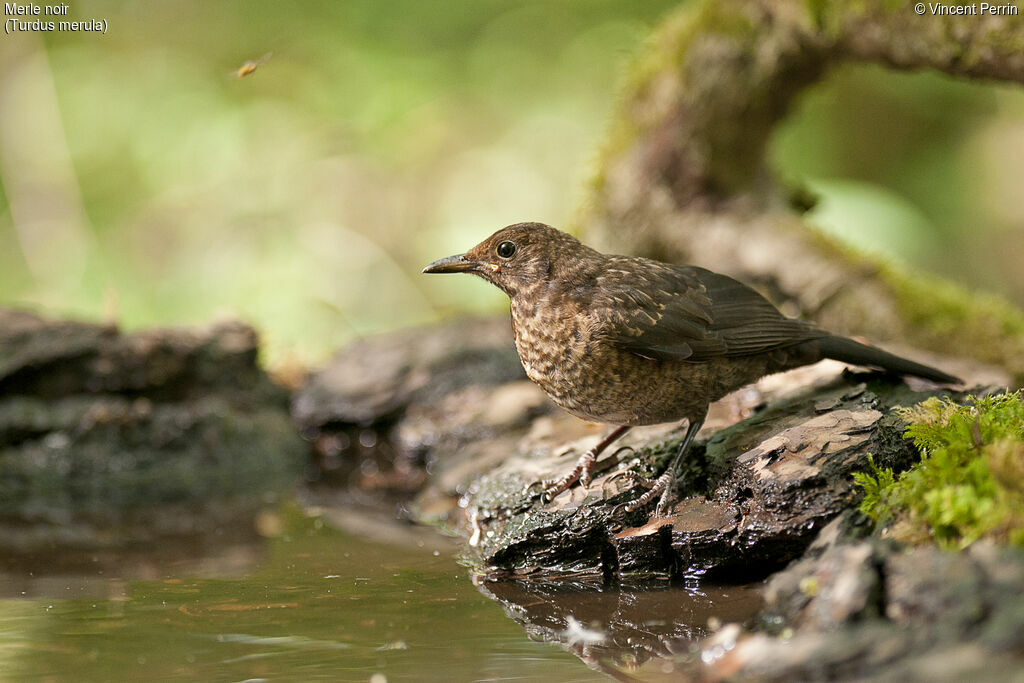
(692, 314)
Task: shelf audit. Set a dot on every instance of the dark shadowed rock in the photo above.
(56, 358)
(854, 610)
(109, 438)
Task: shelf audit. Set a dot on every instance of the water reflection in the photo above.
(320, 599)
(619, 629)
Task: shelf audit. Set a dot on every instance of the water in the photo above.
(306, 601)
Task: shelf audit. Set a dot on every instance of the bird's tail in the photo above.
(849, 351)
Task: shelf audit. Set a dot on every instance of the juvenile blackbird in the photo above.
(631, 341)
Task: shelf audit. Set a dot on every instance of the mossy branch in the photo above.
(684, 175)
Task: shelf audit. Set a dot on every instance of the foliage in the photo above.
(878, 485)
(305, 197)
(970, 481)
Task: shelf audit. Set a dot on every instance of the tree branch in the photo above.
(684, 175)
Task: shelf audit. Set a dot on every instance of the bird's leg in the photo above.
(666, 483)
(584, 470)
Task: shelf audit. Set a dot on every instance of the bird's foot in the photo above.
(586, 467)
(627, 474)
(583, 473)
(663, 486)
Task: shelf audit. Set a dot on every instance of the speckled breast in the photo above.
(594, 380)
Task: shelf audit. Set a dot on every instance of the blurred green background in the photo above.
(143, 182)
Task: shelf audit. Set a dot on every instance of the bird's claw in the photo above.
(627, 474)
(542, 484)
(660, 487)
(663, 485)
(548, 489)
(583, 472)
(664, 503)
(554, 487)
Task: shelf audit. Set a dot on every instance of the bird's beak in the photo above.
(453, 264)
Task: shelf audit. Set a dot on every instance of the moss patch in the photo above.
(970, 481)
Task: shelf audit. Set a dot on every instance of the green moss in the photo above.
(970, 481)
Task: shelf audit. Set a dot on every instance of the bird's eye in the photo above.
(506, 249)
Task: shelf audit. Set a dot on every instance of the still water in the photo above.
(329, 595)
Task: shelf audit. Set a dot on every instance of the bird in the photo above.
(631, 341)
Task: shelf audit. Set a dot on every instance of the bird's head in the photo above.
(517, 257)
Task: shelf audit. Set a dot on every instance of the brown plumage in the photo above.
(631, 341)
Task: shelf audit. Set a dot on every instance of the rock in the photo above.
(373, 380)
(840, 585)
(53, 359)
(109, 438)
(754, 495)
(871, 609)
(388, 408)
